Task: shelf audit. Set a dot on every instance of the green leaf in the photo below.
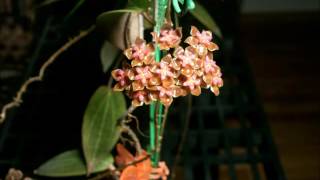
(139, 4)
(108, 54)
(121, 26)
(147, 24)
(100, 130)
(202, 15)
(70, 163)
(106, 19)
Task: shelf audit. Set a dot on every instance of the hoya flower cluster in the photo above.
(184, 71)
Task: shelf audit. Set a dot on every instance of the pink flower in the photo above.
(164, 91)
(190, 69)
(164, 68)
(122, 77)
(210, 65)
(168, 38)
(143, 74)
(140, 53)
(214, 81)
(165, 95)
(140, 97)
(201, 41)
(179, 91)
(184, 57)
(141, 78)
(204, 37)
(193, 84)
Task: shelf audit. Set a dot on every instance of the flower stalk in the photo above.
(156, 114)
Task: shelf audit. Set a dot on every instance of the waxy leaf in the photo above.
(100, 130)
(139, 4)
(108, 54)
(202, 15)
(70, 163)
(122, 26)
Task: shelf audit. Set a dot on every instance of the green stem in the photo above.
(159, 136)
(152, 130)
(156, 114)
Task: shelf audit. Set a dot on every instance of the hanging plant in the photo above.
(151, 73)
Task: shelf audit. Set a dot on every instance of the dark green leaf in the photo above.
(100, 131)
(147, 24)
(202, 15)
(140, 4)
(108, 54)
(70, 163)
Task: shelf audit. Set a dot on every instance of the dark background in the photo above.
(278, 39)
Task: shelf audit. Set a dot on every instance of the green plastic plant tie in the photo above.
(189, 3)
(176, 6)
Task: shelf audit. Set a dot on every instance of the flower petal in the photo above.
(178, 91)
(154, 95)
(207, 78)
(168, 82)
(194, 31)
(192, 41)
(128, 53)
(187, 71)
(215, 90)
(154, 81)
(136, 103)
(137, 86)
(136, 62)
(202, 50)
(118, 87)
(196, 91)
(166, 100)
(130, 173)
(124, 156)
(212, 46)
(178, 51)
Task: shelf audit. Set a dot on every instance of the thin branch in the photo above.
(165, 117)
(137, 125)
(168, 13)
(135, 162)
(125, 140)
(157, 151)
(123, 117)
(17, 100)
(134, 137)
